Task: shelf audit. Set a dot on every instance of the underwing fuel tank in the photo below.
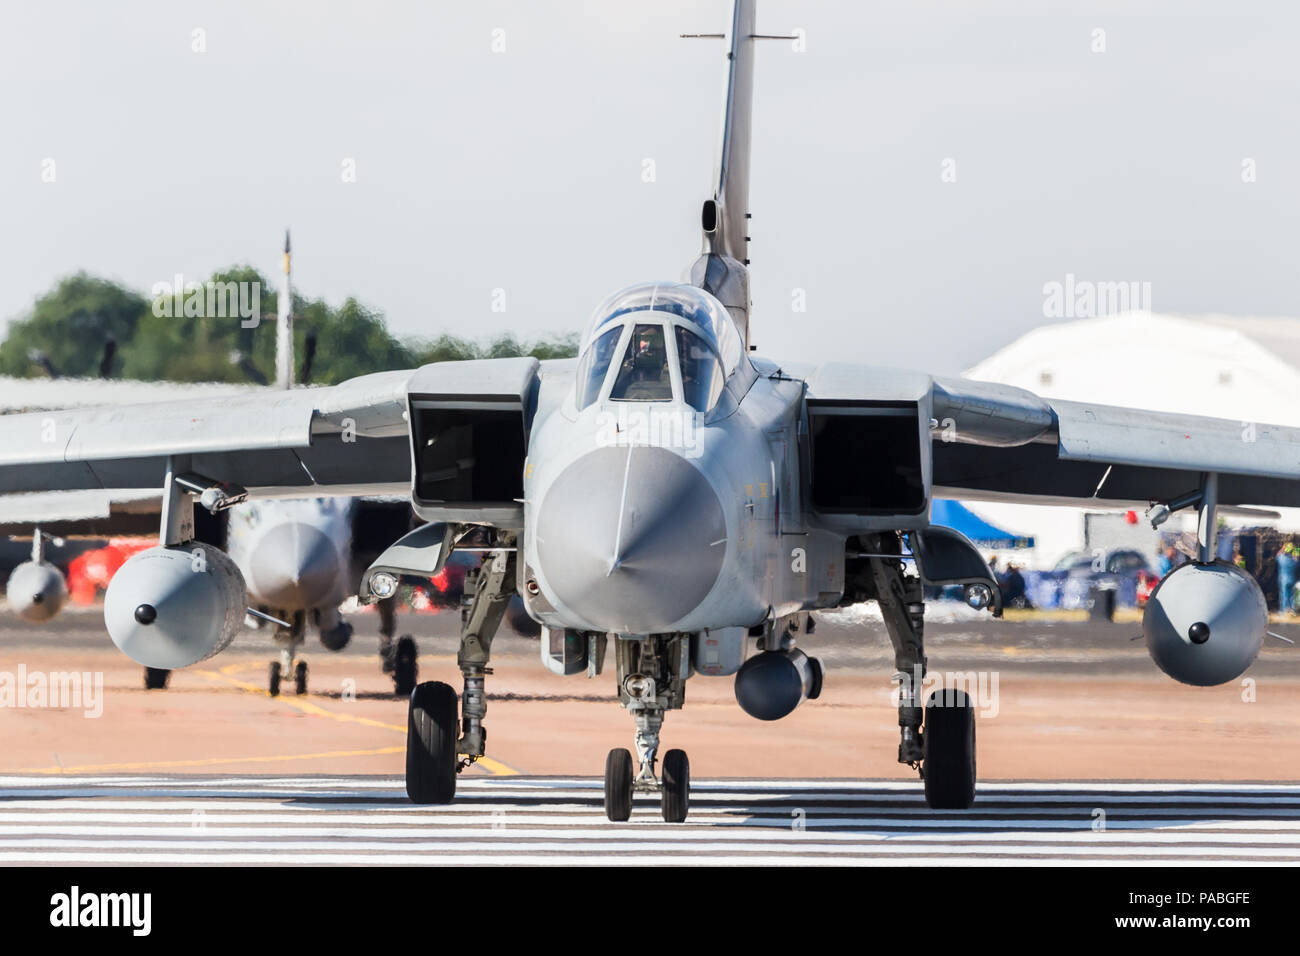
(36, 591)
(772, 684)
(1205, 623)
(174, 606)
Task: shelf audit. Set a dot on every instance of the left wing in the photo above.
(985, 441)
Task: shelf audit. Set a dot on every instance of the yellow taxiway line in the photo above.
(226, 675)
(201, 762)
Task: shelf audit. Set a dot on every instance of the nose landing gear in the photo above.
(673, 787)
(289, 639)
(618, 785)
(651, 677)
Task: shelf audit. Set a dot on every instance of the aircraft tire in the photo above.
(949, 751)
(155, 678)
(300, 678)
(433, 728)
(273, 679)
(406, 669)
(675, 799)
(618, 785)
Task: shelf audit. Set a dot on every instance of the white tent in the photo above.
(1247, 369)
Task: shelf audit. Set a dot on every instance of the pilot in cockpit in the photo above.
(643, 375)
(705, 347)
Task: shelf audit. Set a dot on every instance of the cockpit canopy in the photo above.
(655, 342)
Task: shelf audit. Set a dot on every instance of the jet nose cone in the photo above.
(294, 566)
(632, 539)
(36, 592)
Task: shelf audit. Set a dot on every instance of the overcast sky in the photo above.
(522, 170)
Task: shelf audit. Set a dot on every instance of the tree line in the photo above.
(90, 327)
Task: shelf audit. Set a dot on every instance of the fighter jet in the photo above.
(36, 590)
(295, 556)
(298, 557)
(672, 502)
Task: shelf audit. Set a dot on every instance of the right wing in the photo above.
(109, 464)
(350, 438)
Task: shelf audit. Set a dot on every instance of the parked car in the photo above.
(1125, 569)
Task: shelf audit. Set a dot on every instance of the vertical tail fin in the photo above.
(731, 166)
(284, 326)
(722, 268)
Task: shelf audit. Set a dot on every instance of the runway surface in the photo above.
(512, 821)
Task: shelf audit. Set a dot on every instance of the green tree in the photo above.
(70, 325)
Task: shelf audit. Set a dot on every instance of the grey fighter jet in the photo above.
(299, 558)
(671, 505)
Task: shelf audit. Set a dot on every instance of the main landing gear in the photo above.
(400, 657)
(943, 751)
(437, 748)
(652, 675)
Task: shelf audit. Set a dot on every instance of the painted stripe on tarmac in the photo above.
(513, 821)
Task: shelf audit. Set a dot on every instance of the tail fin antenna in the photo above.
(722, 268)
(731, 166)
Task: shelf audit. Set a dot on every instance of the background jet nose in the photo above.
(294, 566)
(632, 539)
(36, 592)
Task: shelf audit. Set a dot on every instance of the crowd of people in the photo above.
(1286, 563)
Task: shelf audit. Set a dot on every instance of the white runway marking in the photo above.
(512, 821)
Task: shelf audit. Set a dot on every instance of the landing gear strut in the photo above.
(652, 675)
(435, 753)
(944, 752)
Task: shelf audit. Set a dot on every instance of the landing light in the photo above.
(639, 686)
(383, 584)
(978, 596)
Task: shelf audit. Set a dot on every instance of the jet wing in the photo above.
(350, 438)
(1101, 453)
(995, 442)
(82, 514)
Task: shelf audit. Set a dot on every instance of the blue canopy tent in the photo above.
(955, 515)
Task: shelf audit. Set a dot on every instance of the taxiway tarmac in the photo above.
(1074, 702)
